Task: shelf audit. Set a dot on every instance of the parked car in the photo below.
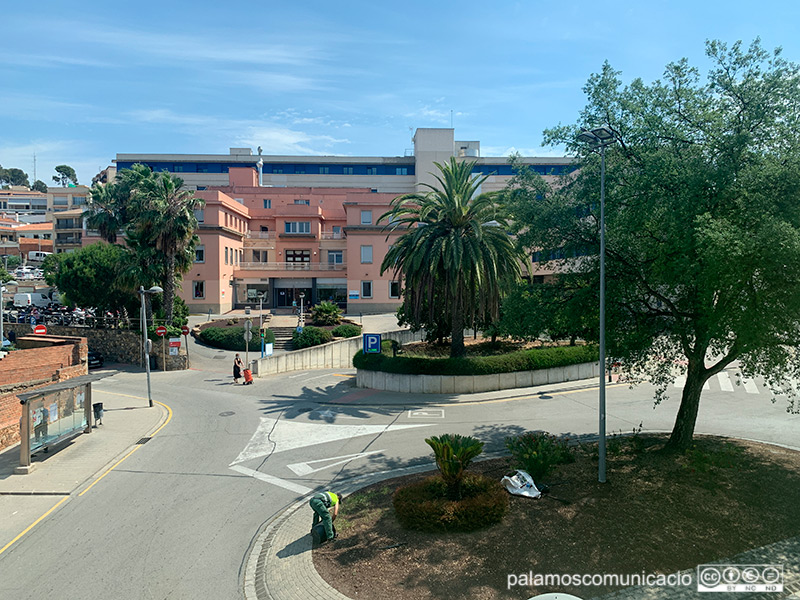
(96, 360)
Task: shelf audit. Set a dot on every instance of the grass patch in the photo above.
(658, 513)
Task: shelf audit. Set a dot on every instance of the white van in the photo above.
(37, 256)
(33, 299)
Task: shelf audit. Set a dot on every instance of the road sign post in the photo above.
(185, 332)
(161, 331)
(248, 335)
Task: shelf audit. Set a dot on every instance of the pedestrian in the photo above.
(237, 368)
(326, 507)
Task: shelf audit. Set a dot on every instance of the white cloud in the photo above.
(46, 60)
(435, 115)
(509, 150)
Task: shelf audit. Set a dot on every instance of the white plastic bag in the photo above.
(521, 484)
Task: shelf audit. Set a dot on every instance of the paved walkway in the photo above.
(68, 469)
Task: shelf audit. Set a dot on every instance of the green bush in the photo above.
(310, 336)
(346, 330)
(524, 360)
(453, 454)
(172, 331)
(424, 505)
(538, 452)
(326, 313)
(232, 338)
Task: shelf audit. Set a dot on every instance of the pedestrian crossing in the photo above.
(724, 382)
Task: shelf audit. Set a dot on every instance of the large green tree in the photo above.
(702, 219)
(13, 176)
(39, 186)
(65, 175)
(455, 257)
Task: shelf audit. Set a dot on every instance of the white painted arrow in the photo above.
(274, 435)
(305, 468)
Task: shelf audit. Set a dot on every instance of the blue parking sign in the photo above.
(372, 343)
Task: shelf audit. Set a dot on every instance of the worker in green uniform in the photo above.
(325, 506)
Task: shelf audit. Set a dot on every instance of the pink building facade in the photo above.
(269, 245)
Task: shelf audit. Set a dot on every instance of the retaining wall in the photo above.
(469, 384)
(333, 355)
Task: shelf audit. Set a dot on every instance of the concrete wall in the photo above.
(469, 384)
(333, 355)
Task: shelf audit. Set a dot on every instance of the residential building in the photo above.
(60, 199)
(68, 229)
(18, 238)
(23, 204)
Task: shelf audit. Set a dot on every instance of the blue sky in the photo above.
(83, 81)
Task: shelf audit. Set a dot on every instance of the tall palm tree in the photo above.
(455, 257)
(106, 212)
(165, 221)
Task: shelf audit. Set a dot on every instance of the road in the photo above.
(177, 518)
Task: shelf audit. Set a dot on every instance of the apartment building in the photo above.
(23, 204)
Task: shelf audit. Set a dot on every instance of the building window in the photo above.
(199, 214)
(236, 256)
(198, 289)
(298, 256)
(260, 256)
(335, 257)
(394, 289)
(366, 289)
(337, 232)
(324, 170)
(277, 170)
(372, 170)
(301, 201)
(366, 217)
(297, 227)
(366, 254)
(200, 254)
(267, 202)
(78, 200)
(347, 170)
(59, 200)
(401, 171)
(226, 255)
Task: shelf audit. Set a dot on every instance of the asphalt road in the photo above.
(177, 518)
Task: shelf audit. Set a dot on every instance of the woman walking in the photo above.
(237, 368)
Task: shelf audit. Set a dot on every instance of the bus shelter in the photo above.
(53, 414)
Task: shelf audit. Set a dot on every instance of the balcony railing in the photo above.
(261, 235)
(327, 235)
(292, 266)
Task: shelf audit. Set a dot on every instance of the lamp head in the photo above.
(588, 137)
(603, 133)
(155, 290)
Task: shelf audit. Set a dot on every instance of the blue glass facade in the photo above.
(282, 168)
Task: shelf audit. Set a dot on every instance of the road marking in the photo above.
(32, 525)
(680, 382)
(750, 386)
(298, 375)
(135, 448)
(725, 382)
(273, 436)
(342, 375)
(318, 377)
(304, 468)
(437, 413)
(329, 414)
(287, 485)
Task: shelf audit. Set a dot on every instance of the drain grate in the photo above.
(144, 440)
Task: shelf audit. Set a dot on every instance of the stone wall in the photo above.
(470, 384)
(116, 345)
(41, 360)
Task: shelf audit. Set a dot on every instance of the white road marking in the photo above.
(680, 382)
(725, 382)
(298, 375)
(288, 485)
(433, 413)
(750, 386)
(304, 468)
(273, 436)
(329, 414)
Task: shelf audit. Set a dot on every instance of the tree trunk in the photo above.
(683, 430)
(457, 348)
(169, 290)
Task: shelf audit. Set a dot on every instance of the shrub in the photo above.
(453, 454)
(524, 360)
(346, 330)
(232, 338)
(424, 505)
(172, 331)
(538, 452)
(326, 313)
(310, 336)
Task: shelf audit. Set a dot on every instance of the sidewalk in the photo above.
(72, 466)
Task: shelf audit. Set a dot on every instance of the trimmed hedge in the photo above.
(524, 360)
(232, 338)
(346, 330)
(310, 336)
(424, 506)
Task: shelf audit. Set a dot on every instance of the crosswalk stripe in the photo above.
(750, 386)
(725, 382)
(680, 381)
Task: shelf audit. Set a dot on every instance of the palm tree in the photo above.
(106, 211)
(164, 221)
(455, 257)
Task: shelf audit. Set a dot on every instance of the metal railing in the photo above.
(292, 266)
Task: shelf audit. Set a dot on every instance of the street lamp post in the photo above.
(261, 320)
(601, 138)
(3, 308)
(153, 290)
(302, 314)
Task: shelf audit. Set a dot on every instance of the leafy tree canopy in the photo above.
(65, 175)
(39, 186)
(702, 219)
(13, 176)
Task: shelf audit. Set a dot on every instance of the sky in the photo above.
(84, 81)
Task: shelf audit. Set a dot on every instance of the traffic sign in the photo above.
(161, 330)
(40, 330)
(372, 343)
(248, 335)
(175, 342)
(185, 330)
(248, 325)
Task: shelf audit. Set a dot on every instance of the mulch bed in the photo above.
(658, 513)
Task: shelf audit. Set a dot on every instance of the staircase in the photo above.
(283, 337)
